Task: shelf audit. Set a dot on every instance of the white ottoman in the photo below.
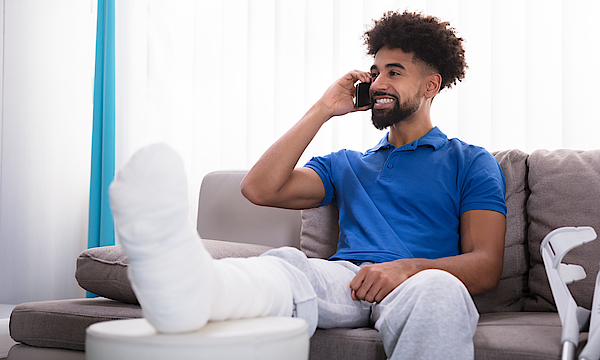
(259, 338)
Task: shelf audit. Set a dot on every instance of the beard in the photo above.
(385, 118)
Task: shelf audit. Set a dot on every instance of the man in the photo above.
(422, 217)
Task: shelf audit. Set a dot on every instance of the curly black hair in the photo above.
(430, 40)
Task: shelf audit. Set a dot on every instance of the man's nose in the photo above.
(379, 84)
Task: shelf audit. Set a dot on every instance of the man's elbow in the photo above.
(255, 193)
(491, 285)
(487, 283)
(251, 193)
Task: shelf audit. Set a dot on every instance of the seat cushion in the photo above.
(499, 336)
(346, 344)
(62, 323)
(520, 335)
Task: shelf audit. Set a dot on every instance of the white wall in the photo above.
(45, 139)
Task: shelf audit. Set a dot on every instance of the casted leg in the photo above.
(430, 316)
(179, 286)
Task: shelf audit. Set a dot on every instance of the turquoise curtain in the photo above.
(101, 227)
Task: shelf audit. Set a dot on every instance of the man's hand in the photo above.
(339, 97)
(374, 282)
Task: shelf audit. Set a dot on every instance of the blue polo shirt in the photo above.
(406, 202)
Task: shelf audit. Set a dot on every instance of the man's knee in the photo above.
(430, 303)
(437, 294)
(434, 281)
(435, 290)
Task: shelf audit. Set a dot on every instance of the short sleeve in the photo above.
(322, 166)
(484, 187)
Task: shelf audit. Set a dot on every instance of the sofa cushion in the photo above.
(319, 232)
(565, 191)
(103, 270)
(512, 289)
(520, 335)
(499, 336)
(62, 323)
(346, 343)
(319, 236)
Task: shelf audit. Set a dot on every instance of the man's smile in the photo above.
(383, 101)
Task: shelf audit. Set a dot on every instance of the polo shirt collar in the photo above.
(434, 138)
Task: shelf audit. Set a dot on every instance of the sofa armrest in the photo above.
(225, 214)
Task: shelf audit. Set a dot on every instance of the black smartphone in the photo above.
(362, 97)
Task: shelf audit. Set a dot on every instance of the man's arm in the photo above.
(274, 180)
(479, 267)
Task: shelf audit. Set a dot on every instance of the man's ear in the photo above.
(434, 81)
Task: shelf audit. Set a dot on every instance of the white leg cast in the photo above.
(250, 287)
(169, 269)
(178, 284)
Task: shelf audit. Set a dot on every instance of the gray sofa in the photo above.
(545, 190)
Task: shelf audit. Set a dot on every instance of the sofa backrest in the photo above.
(565, 191)
(225, 214)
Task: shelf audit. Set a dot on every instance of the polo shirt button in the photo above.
(390, 166)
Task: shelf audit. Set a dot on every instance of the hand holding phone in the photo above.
(362, 98)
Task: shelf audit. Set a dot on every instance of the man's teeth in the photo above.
(384, 101)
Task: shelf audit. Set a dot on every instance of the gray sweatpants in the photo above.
(429, 316)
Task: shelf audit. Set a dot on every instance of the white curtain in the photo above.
(221, 81)
(46, 77)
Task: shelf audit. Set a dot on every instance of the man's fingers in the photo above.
(371, 284)
(364, 76)
(363, 285)
(373, 295)
(358, 279)
(383, 292)
(357, 75)
(362, 292)
(358, 285)
(374, 282)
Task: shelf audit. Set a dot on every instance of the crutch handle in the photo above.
(553, 248)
